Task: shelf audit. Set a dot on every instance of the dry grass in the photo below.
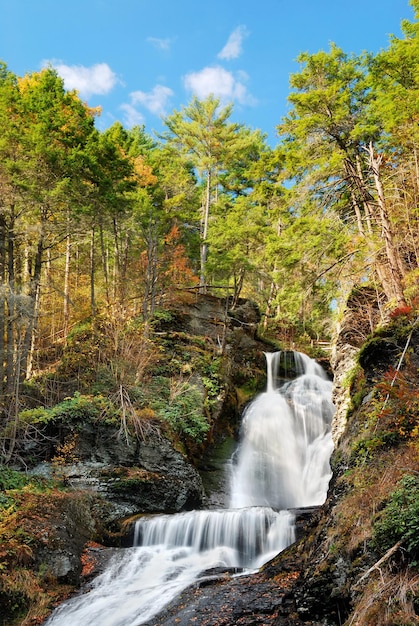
(387, 600)
(369, 486)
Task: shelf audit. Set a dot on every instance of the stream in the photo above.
(280, 463)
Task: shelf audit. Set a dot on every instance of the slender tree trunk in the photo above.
(274, 287)
(150, 287)
(124, 267)
(392, 253)
(2, 301)
(33, 305)
(204, 233)
(117, 262)
(66, 303)
(104, 262)
(358, 213)
(359, 189)
(367, 199)
(360, 195)
(154, 269)
(238, 285)
(271, 297)
(92, 272)
(10, 309)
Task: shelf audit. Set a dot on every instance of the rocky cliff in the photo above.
(356, 563)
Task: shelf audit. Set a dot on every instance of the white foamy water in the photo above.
(282, 462)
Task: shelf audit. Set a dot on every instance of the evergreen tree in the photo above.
(202, 132)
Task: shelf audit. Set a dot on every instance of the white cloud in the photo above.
(233, 47)
(98, 79)
(219, 82)
(155, 101)
(161, 44)
(132, 117)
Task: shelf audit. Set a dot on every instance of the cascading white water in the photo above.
(282, 462)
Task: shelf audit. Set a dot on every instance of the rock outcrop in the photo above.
(131, 476)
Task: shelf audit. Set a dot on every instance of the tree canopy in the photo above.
(114, 220)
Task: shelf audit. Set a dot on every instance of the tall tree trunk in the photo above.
(359, 189)
(204, 233)
(66, 302)
(105, 267)
(124, 267)
(272, 293)
(117, 262)
(10, 309)
(92, 272)
(33, 306)
(2, 301)
(392, 253)
(150, 287)
(358, 213)
(154, 272)
(238, 285)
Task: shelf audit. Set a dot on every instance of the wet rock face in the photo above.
(343, 361)
(363, 312)
(224, 601)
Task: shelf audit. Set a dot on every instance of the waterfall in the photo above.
(282, 462)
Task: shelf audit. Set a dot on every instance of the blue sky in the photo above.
(141, 59)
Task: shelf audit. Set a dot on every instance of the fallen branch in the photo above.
(376, 566)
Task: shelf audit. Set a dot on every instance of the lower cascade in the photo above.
(281, 463)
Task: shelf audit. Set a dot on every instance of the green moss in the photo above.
(129, 479)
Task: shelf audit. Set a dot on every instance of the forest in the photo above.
(117, 223)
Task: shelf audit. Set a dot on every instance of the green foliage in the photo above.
(182, 406)
(398, 328)
(74, 410)
(365, 449)
(399, 520)
(161, 315)
(11, 479)
(212, 388)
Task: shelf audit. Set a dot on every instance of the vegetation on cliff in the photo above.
(363, 553)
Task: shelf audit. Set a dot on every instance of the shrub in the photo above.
(365, 449)
(11, 479)
(184, 410)
(399, 520)
(74, 410)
